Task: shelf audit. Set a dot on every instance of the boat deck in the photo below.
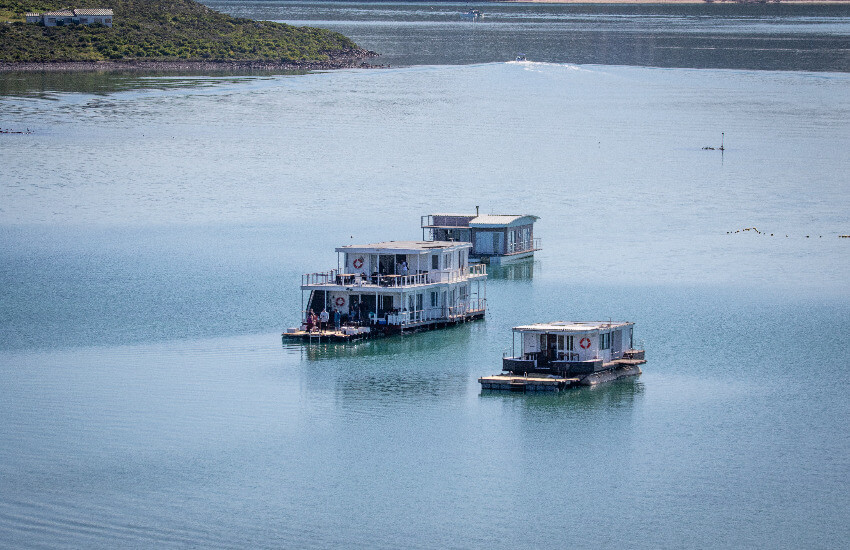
(379, 330)
(325, 336)
(515, 382)
(619, 368)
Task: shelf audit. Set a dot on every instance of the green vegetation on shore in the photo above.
(159, 30)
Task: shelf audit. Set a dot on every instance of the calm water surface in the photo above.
(154, 229)
(734, 36)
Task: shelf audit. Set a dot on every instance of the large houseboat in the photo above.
(554, 356)
(495, 238)
(390, 288)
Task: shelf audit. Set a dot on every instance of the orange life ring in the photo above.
(584, 343)
(358, 263)
(340, 301)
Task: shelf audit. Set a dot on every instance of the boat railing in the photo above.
(523, 246)
(334, 277)
(407, 317)
(321, 278)
(444, 221)
(403, 280)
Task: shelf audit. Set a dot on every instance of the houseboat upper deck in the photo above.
(392, 287)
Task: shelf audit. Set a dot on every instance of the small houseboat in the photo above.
(390, 288)
(554, 356)
(495, 238)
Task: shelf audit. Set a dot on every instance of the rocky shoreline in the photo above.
(342, 59)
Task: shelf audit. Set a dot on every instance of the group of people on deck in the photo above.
(322, 321)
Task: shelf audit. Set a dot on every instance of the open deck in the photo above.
(513, 382)
(619, 368)
(381, 329)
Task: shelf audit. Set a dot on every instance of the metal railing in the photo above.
(321, 278)
(334, 277)
(523, 246)
(408, 317)
(445, 221)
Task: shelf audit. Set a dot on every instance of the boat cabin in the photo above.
(397, 286)
(495, 238)
(570, 348)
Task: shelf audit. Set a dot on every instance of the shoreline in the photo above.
(348, 59)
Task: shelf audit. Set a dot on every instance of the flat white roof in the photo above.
(501, 220)
(572, 326)
(403, 247)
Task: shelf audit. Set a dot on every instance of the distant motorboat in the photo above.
(521, 57)
(472, 14)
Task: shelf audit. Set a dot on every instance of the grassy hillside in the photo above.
(158, 30)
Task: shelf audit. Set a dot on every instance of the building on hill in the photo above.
(72, 17)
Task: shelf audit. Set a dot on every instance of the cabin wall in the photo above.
(520, 238)
(489, 241)
(530, 342)
(352, 261)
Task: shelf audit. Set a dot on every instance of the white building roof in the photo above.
(94, 11)
(403, 247)
(60, 13)
(576, 327)
(501, 220)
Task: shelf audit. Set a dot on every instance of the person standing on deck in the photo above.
(337, 318)
(323, 319)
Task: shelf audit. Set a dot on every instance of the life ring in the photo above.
(340, 301)
(584, 343)
(358, 263)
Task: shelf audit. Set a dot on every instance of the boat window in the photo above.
(433, 298)
(435, 261)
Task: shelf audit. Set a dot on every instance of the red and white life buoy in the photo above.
(584, 343)
(358, 263)
(340, 301)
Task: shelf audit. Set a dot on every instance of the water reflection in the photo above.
(424, 343)
(614, 395)
(45, 85)
(517, 271)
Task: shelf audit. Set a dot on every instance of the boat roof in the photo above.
(572, 326)
(502, 220)
(489, 220)
(404, 247)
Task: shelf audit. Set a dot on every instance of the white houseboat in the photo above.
(392, 287)
(553, 356)
(496, 238)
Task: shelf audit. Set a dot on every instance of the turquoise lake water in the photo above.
(154, 230)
